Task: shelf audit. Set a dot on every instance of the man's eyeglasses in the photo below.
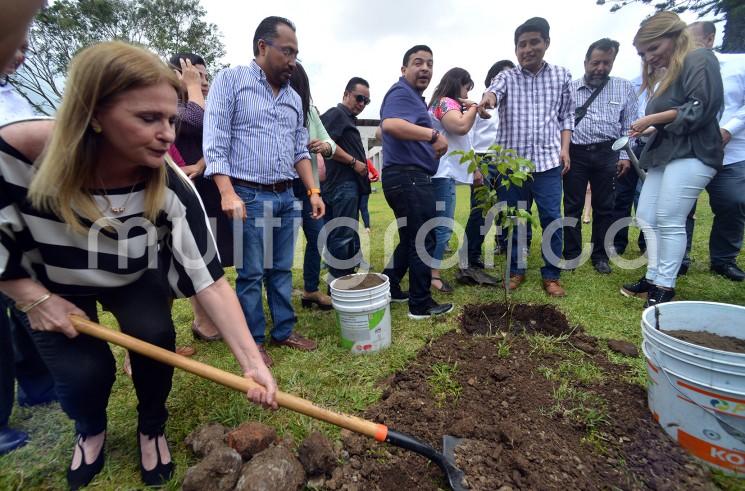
(361, 98)
(287, 52)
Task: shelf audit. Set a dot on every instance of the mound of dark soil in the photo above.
(506, 412)
(494, 317)
(709, 340)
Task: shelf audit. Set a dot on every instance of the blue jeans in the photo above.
(311, 229)
(545, 189)
(269, 233)
(19, 360)
(342, 243)
(364, 210)
(668, 195)
(444, 188)
(477, 228)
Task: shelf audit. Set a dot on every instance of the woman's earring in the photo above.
(96, 128)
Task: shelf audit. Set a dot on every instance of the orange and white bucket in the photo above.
(697, 394)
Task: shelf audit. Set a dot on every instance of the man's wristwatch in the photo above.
(435, 134)
(353, 162)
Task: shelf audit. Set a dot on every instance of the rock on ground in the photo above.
(623, 347)
(219, 471)
(251, 438)
(317, 455)
(206, 438)
(274, 469)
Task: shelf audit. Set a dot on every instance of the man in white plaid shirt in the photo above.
(536, 119)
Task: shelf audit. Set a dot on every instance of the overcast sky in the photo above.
(339, 39)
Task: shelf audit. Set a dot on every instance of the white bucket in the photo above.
(696, 393)
(363, 316)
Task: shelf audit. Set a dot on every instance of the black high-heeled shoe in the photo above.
(85, 473)
(161, 473)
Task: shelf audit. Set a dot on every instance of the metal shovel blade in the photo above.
(455, 475)
(445, 460)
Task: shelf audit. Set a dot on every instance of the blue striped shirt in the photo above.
(533, 111)
(249, 133)
(609, 116)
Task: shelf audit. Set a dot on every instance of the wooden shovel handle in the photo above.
(235, 382)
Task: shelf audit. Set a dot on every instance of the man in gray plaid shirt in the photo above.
(607, 117)
(536, 119)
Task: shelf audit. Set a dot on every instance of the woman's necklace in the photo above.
(117, 209)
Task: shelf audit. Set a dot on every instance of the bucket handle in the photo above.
(734, 432)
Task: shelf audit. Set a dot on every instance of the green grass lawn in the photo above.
(331, 376)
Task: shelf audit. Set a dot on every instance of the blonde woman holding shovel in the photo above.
(105, 218)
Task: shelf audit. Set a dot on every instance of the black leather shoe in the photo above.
(640, 289)
(659, 295)
(432, 310)
(11, 439)
(85, 473)
(602, 267)
(729, 271)
(161, 473)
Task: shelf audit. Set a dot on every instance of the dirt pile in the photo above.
(709, 340)
(546, 411)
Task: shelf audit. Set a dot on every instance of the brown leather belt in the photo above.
(277, 187)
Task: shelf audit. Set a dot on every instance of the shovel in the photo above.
(380, 432)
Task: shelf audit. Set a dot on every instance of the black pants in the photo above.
(410, 194)
(727, 200)
(627, 197)
(597, 167)
(83, 368)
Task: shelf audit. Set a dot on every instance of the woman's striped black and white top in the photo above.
(39, 245)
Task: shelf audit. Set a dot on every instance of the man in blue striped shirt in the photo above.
(536, 118)
(254, 146)
(608, 117)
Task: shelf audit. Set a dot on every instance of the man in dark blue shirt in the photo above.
(411, 152)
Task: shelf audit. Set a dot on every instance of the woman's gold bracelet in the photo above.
(27, 308)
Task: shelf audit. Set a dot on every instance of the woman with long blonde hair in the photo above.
(684, 150)
(105, 218)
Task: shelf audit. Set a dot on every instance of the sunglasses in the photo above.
(362, 98)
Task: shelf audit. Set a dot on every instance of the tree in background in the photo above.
(66, 26)
(732, 13)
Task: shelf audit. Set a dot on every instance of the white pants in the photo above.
(668, 195)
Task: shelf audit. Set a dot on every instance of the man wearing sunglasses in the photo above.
(345, 181)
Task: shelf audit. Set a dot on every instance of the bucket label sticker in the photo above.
(713, 454)
(719, 402)
(375, 318)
